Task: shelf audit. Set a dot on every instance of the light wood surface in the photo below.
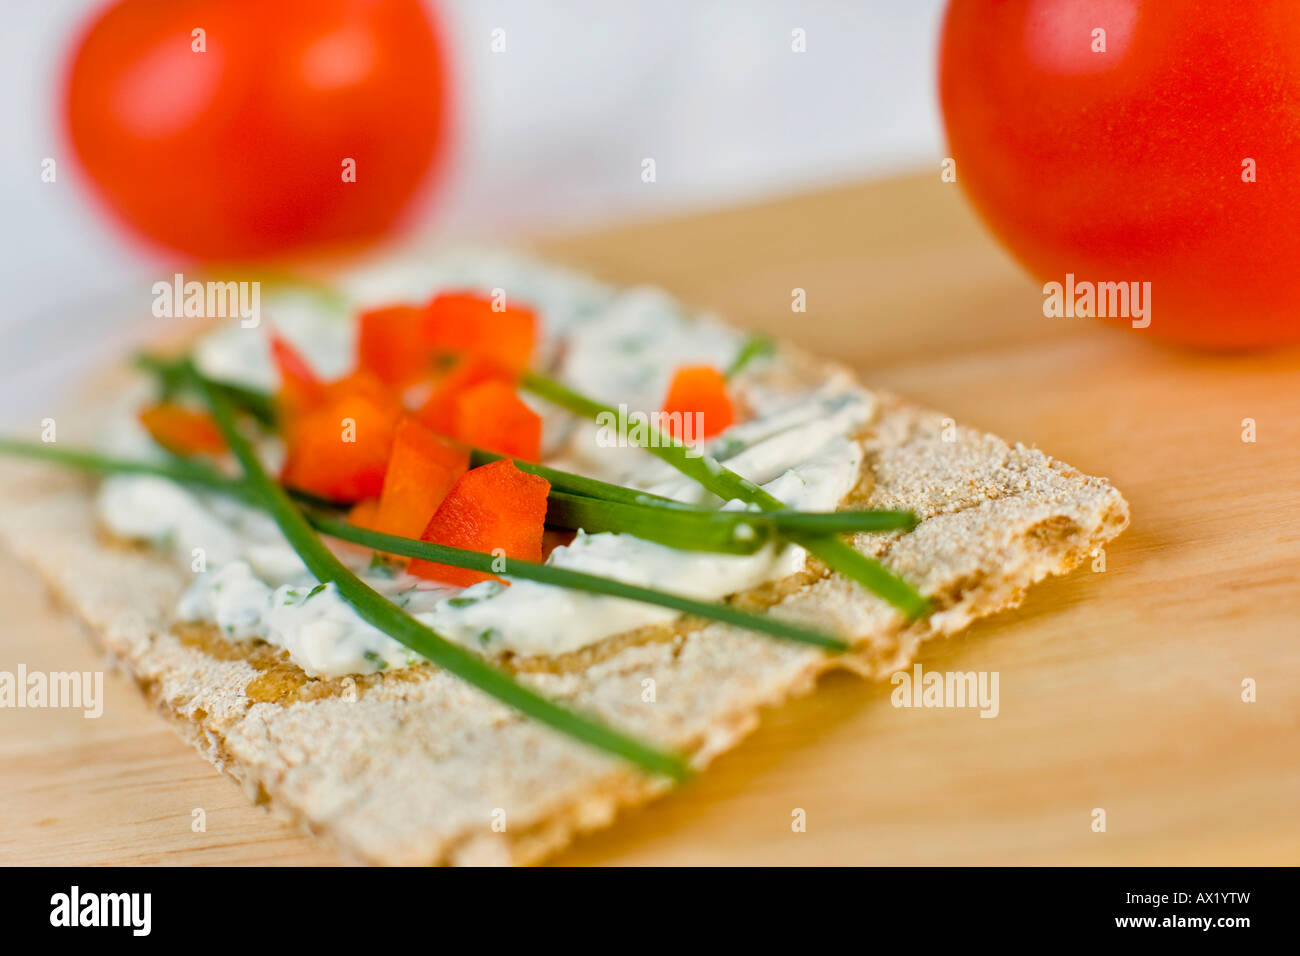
(1119, 690)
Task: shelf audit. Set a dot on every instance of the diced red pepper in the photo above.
(495, 507)
(491, 415)
(392, 346)
(365, 513)
(464, 323)
(300, 389)
(421, 471)
(183, 431)
(439, 410)
(339, 449)
(698, 389)
(360, 382)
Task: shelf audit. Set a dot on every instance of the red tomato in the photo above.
(1133, 164)
(221, 128)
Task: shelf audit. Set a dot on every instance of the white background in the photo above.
(551, 132)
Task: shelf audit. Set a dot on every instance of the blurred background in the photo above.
(509, 120)
(1111, 160)
(547, 136)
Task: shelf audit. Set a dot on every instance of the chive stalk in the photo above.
(180, 375)
(727, 485)
(192, 473)
(707, 529)
(582, 485)
(574, 580)
(841, 522)
(708, 472)
(823, 522)
(379, 612)
(756, 346)
(723, 532)
(177, 469)
(175, 374)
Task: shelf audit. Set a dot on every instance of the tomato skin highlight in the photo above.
(237, 150)
(702, 390)
(493, 507)
(1127, 165)
(183, 431)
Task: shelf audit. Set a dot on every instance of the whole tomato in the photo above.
(1123, 140)
(239, 128)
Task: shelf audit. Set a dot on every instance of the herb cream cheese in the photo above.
(621, 347)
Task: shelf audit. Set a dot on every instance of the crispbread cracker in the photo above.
(414, 766)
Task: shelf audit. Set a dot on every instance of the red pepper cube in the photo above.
(697, 390)
(391, 344)
(421, 471)
(365, 514)
(491, 415)
(340, 448)
(439, 410)
(300, 389)
(466, 324)
(183, 431)
(493, 508)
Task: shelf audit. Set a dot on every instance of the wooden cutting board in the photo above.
(1119, 689)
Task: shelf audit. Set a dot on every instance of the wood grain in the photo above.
(1120, 689)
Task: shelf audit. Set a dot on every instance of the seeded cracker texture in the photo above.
(409, 767)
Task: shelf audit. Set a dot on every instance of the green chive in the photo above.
(706, 529)
(180, 374)
(574, 580)
(727, 485)
(727, 532)
(756, 346)
(442, 554)
(581, 484)
(823, 522)
(177, 469)
(376, 610)
(709, 473)
(841, 522)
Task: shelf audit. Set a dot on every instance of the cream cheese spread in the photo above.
(619, 346)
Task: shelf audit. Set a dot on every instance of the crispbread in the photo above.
(414, 766)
